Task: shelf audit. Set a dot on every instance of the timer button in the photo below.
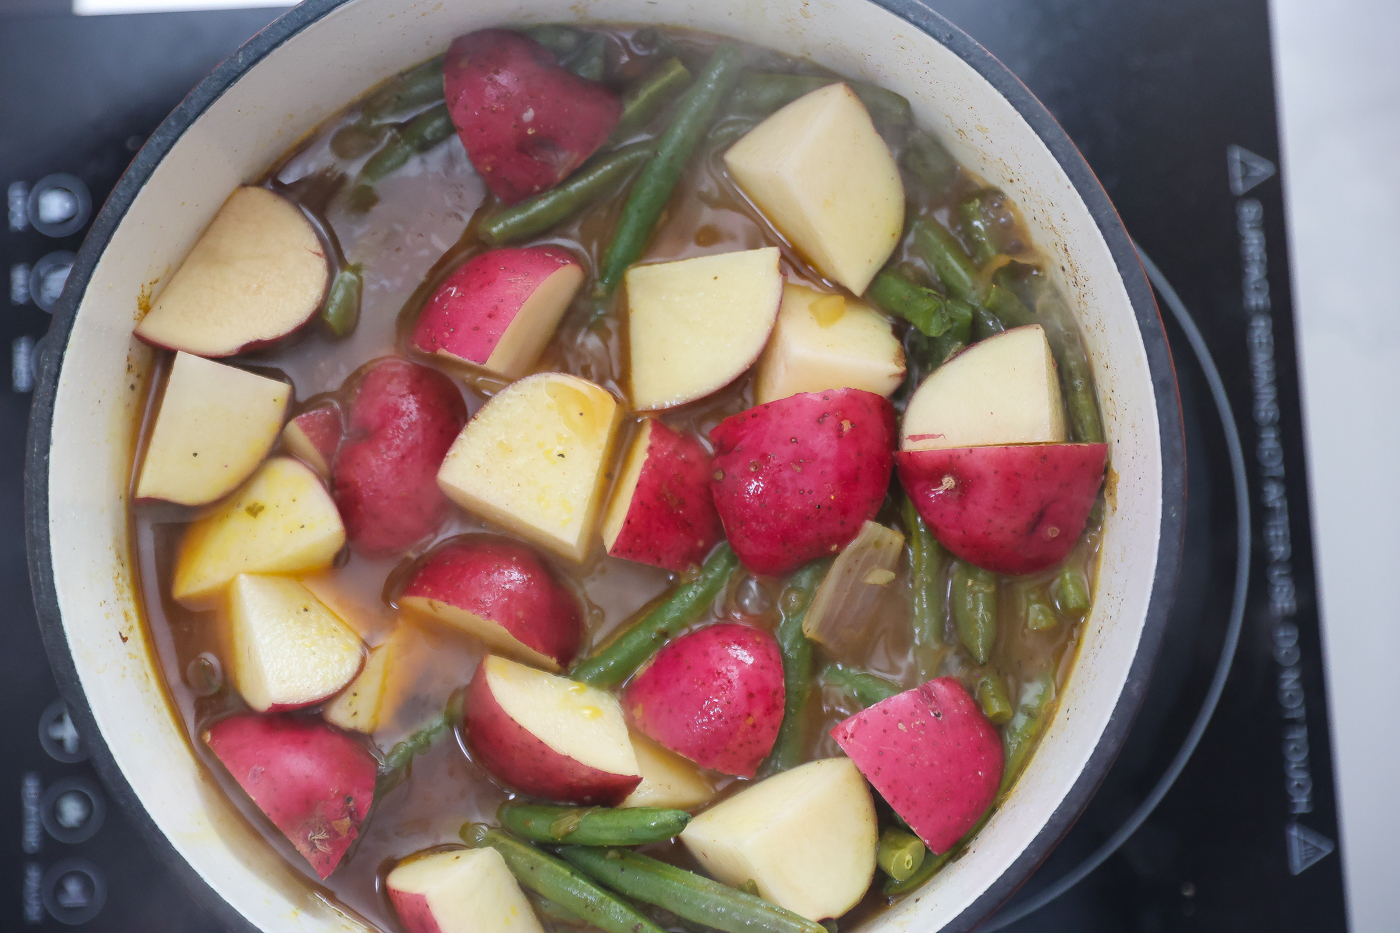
(58, 736)
(59, 205)
(72, 810)
(74, 891)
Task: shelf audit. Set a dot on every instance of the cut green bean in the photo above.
(977, 227)
(1076, 380)
(653, 187)
(591, 826)
(925, 158)
(563, 41)
(923, 307)
(558, 881)
(942, 251)
(899, 854)
(397, 762)
(684, 893)
(985, 324)
(1072, 592)
(796, 648)
(975, 609)
(628, 651)
(595, 181)
(419, 86)
(763, 93)
(927, 561)
(1002, 301)
(867, 688)
(342, 309)
(644, 98)
(1032, 713)
(957, 337)
(991, 696)
(1040, 615)
(591, 59)
(420, 134)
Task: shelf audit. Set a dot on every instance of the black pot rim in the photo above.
(292, 22)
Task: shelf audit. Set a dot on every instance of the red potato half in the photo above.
(795, 479)
(313, 436)
(502, 592)
(714, 695)
(662, 511)
(256, 274)
(931, 754)
(1011, 510)
(403, 419)
(525, 121)
(314, 782)
(499, 309)
(549, 736)
(459, 891)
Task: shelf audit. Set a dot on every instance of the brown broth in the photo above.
(422, 226)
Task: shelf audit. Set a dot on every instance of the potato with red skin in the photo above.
(714, 695)
(548, 736)
(403, 418)
(314, 782)
(525, 121)
(1012, 510)
(662, 511)
(458, 891)
(502, 592)
(314, 435)
(498, 309)
(931, 754)
(795, 479)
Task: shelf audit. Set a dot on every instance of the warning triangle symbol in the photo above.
(1247, 169)
(1305, 847)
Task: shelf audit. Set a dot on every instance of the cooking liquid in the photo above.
(421, 226)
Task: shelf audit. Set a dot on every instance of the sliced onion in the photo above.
(844, 605)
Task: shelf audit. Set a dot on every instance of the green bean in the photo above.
(653, 187)
(1010, 310)
(1040, 616)
(991, 696)
(420, 134)
(941, 250)
(1072, 592)
(899, 854)
(972, 213)
(398, 761)
(932, 866)
(867, 688)
(556, 880)
(1076, 381)
(563, 41)
(927, 559)
(1021, 730)
(417, 87)
(596, 180)
(644, 98)
(591, 826)
(555, 913)
(796, 649)
(763, 93)
(357, 139)
(985, 324)
(684, 893)
(923, 307)
(975, 609)
(957, 337)
(628, 651)
(926, 159)
(591, 59)
(342, 309)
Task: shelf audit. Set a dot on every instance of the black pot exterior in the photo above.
(50, 361)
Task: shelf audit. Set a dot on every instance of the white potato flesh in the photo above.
(806, 837)
(357, 707)
(822, 175)
(1002, 390)
(289, 650)
(257, 273)
(577, 721)
(668, 780)
(534, 459)
(824, 341)
(460, 891)
(534, 324)
(215, 425)
(696, 324)
(281, 521)
(620, 504)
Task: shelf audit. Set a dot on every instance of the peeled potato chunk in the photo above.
(1002, 390)
(215, 425)
(825, 341)
(533, 460)
(822, 175)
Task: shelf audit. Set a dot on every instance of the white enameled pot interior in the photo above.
(316, 72)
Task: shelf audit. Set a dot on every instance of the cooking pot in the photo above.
(307, 65)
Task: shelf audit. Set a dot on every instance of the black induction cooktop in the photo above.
(1219, 813)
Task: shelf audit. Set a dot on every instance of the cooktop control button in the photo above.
(59, 205)
(58, 735)
(72, 810)
(74, 891)
(47, 278)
